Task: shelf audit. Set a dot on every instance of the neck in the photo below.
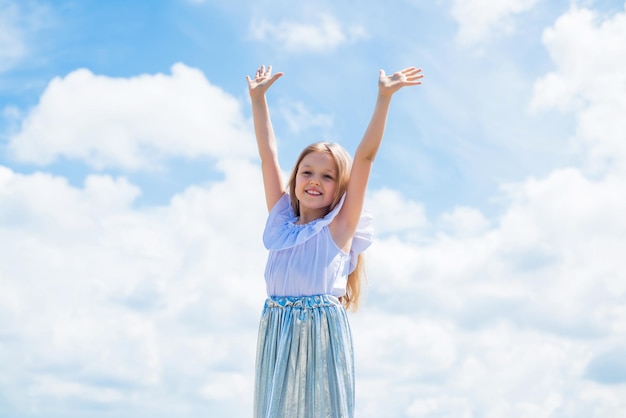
(309, 215)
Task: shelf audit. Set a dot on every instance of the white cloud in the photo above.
(132, 123)
(464, 221)
(233, 386)
(479, 20)
(394, 215)
(587, 51)
(324, 34)
(20, 22)
(443, 406)
(156, 308)
(532, 302)
(12, 43)
(300, 118)
(112, 302)
(589, 78)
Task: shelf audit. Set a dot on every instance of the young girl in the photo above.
(315, 233)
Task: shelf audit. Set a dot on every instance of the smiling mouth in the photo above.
(313, 192)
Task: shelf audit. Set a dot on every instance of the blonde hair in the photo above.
(344, 164)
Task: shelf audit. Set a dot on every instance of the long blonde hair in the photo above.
(344, 164)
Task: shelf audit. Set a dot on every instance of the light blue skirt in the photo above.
(305, 362)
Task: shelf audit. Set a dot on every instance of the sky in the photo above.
(131, 202)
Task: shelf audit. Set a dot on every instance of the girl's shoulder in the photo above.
(282, 232)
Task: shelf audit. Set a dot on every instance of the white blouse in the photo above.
(303, 259)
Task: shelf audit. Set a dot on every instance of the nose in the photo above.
(314, 180)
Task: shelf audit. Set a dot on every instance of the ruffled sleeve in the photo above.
(363, 238)
(282, 232)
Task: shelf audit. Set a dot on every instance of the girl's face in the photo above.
(316, 183)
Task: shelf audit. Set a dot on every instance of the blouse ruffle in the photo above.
(282, 232)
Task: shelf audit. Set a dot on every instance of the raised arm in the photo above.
(266, 141)
(348, 218)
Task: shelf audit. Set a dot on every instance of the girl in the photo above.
(315, 233)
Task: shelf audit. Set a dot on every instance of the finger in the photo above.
(415, 76)
(411, 71)
(274, 78)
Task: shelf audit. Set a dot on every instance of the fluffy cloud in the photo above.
(527, 308)
(522, 319)
(105, 304)
(480, 19)
(153, 310)
(322, 35)
(589, 57)
(298, 117)
(395, 215)
(132, 123)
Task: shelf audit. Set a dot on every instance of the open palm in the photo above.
(389, 84)
(263, 79)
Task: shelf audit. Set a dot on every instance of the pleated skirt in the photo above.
(305, 360)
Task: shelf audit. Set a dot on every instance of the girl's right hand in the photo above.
(262, 81)
(389, 84)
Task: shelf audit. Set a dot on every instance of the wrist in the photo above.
(384, 96)
(258, 98)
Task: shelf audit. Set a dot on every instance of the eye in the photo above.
(328, 176)
(305, 173)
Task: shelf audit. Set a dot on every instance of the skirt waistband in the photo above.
(302, 302)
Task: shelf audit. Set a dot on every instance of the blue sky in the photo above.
(453, 128)
(131, 203)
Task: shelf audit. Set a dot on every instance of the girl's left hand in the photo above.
(263, 80)
(389, 84)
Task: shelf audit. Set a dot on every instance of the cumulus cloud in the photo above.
(132, 123)
(395, 215)
(323, 34)
(589, 57)
(154, 309)
(608, 367)
(113, 302)
(481, 19)
(528, 306)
